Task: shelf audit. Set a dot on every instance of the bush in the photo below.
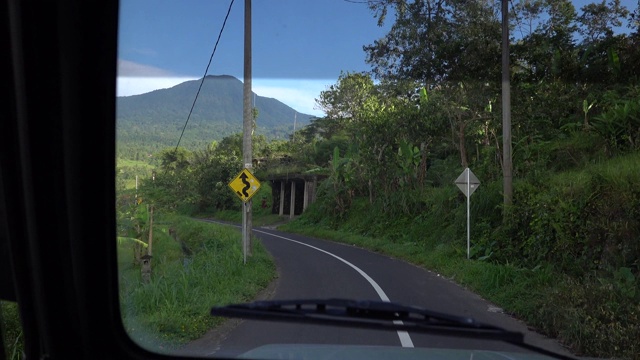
(595, 316)
(11, 329)
(199, 266)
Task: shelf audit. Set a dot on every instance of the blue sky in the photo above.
(299, 46)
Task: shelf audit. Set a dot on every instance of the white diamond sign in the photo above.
(467, 182)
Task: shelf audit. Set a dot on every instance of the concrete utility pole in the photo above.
(506, 108)
(150, 245)
(247, 155)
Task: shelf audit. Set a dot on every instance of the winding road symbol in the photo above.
(245, 185)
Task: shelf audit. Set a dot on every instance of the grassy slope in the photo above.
(204, 268)
(591, 314)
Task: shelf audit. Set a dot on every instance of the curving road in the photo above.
(314, 268)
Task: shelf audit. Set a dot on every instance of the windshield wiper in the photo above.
(369, 314)
(375, 315)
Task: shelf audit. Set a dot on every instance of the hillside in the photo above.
(150, 122)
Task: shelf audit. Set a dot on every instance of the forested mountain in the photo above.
(149, 122)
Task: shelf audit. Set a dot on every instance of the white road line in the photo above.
(405, 339)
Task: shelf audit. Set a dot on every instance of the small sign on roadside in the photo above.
(467, 182)
(245, 185)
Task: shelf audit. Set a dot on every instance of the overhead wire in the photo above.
(515, 14)
(205, 73)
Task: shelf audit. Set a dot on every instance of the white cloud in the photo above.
(133, 69)
(127, 86)
(298, 94)
(135, 79)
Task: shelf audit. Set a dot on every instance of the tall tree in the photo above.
(453, 48)
(598, 20)
(549, 52)
(349, 102)
(434, 41)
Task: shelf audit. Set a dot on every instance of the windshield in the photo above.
(474, 160)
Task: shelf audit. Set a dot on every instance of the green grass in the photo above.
(133, 164)
(11, 329)
(518, 291)
(204, 268)
(235, 216)
(260, 216)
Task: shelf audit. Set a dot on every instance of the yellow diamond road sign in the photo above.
(245, 185)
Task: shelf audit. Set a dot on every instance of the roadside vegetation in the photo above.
(563, 256)
(195, 265)
(11, 330)
(564, 260)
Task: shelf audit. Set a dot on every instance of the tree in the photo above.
(599, 19)
(348, 101)
(549, 52)
(174, 159)
(435, 41)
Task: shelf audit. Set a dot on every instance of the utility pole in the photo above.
(247, 155)
(150, 244)
(506, 108)
(295, 119)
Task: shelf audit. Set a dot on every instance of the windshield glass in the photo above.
(476, 161)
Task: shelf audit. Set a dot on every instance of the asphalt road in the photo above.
(313, 268)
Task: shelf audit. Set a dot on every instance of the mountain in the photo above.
(153, 121)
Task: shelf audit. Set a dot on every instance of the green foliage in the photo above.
(408, 160)
(565, 259)
(348, 100)
(619, 123)
(128, 170)
(336, 191)
(261, 216)
(458, 43)
(578, 221)
(176, 159)
(200, 266)
(607, 311)
(11, 330)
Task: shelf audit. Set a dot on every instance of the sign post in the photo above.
(245, 185)
(467, 182)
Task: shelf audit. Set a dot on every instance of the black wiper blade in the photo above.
(367, 314)
(375, 315)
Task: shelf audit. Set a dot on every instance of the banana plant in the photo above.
(342, 178)
(408, 161)
(620, 125)
(122, 239)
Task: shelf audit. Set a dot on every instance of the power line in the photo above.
(515, 14)
(205, 73)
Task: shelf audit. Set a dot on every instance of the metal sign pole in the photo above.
(467, 182)
(244, 232)
(468, 213)
(247, 122)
